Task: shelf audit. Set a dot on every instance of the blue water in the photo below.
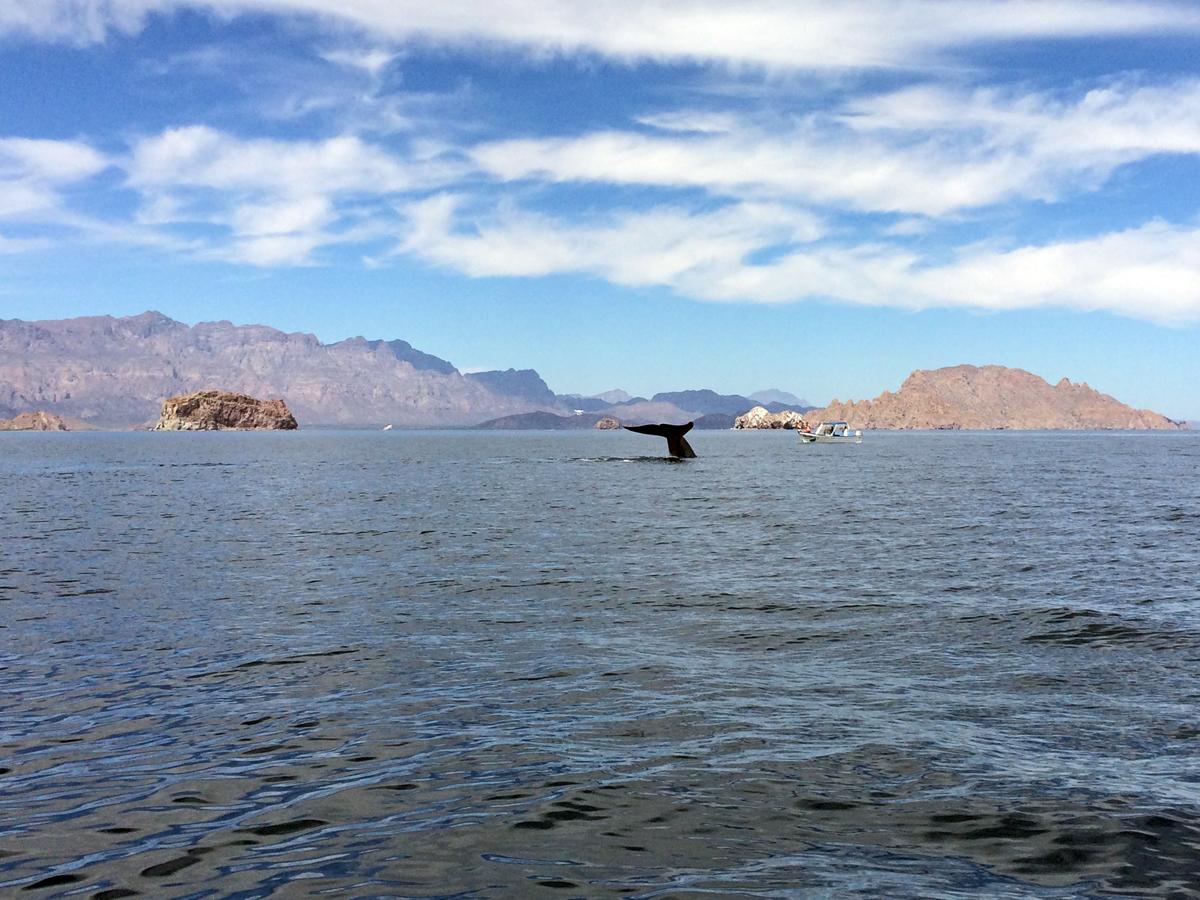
(528, 664)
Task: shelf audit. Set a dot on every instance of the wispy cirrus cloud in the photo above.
(928, 150)
(804, 34)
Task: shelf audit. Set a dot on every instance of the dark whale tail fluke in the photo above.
(677, 445)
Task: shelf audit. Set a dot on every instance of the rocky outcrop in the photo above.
(760, 417)
(972, 397)
(41, 421)
(608, 423)
(220, 410)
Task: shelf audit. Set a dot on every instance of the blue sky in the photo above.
(654, 196)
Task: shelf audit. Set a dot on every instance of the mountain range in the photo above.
(116, 372)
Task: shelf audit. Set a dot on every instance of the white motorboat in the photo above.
(830, 433)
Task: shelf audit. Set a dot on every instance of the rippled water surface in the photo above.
(488, 665)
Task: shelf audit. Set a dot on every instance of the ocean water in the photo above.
(343, 664)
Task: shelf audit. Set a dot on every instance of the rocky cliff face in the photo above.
(761, 417)
(991, 397)
(220, 410)
(117, 371)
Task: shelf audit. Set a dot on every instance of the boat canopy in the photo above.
(832, 428)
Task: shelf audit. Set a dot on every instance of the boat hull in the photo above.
(806, 438)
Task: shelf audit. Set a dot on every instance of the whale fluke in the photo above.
(677, 445)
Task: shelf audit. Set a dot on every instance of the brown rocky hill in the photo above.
(979, 397)
(118, 371)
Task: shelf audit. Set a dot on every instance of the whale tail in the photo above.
(677, 445)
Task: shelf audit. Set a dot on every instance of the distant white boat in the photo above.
(830, 433)
(387, 427)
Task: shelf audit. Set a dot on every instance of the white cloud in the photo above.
(33, 173)
(203, 157)
(1151, 273)
(928, 151)
(658, 247)
(80, 21)
(303, 213)
(811, 164)
(373, 61)
(22, 245)
(804, 34)
(276, 201)
(51, 161)
(699, 121)
(1121, 119)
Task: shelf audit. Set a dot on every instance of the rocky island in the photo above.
(987, 397)
(42, 421)
(761, 417)
(221, 410)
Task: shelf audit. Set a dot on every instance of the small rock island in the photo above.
(41, 421)
(224, 410)
(760, 417)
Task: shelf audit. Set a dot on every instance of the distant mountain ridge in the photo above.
(705, 401)
(772, 396)
(118, 371)
(984, 397)
(525, 384)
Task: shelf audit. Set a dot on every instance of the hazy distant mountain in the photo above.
(545, 421)
(714, 421)
(403, 350)
(587, 404)
(614, 396)
(117, 371)
(525, 384)
(991, 397)
(776, 396)
(541, 421)
(638, 411)
(704, 402)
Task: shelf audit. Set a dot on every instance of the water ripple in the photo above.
(493, 665)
